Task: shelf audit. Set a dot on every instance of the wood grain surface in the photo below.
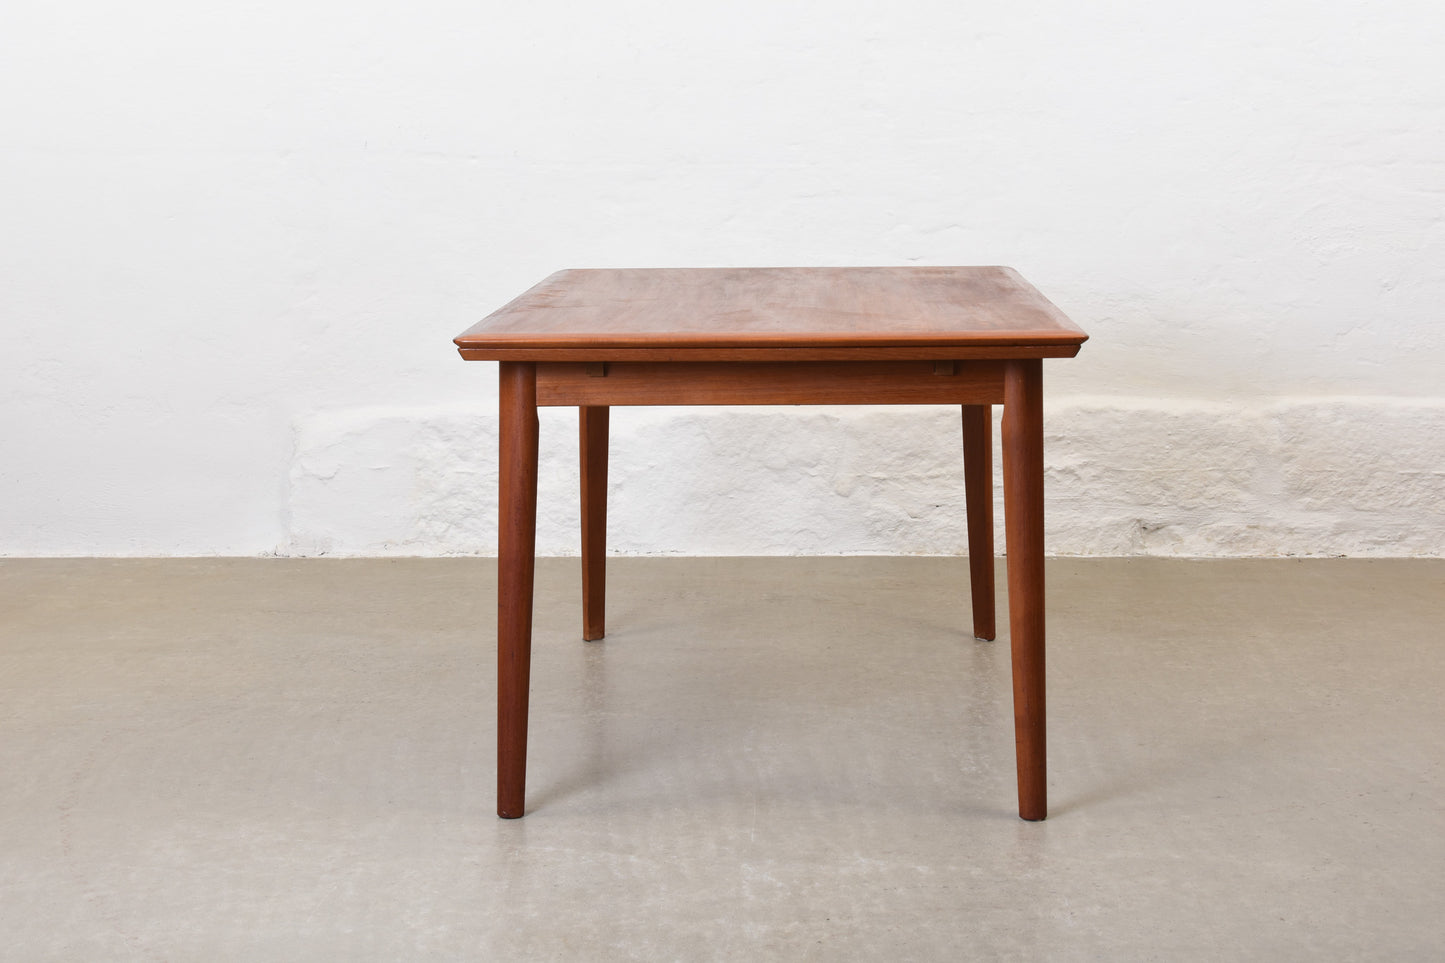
(1023, 512)
(967, 336)
(770, 383)
(762, 309)
(516, 554)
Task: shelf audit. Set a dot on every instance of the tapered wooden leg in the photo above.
(593, 431)
(516, 561)
(978, 494)
(1023, 493)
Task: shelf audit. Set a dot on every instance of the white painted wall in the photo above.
(235, 241)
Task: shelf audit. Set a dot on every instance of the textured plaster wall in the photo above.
(1302, 478)
(237, 240)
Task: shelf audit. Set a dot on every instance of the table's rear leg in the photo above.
(516, 551)
(592, 423)
(978, 496)
(1023, 481)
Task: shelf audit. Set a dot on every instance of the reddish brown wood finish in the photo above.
(1023, 493)
(690, 355)
(978, 493)
(516, 558)
(771, 383)
(592, 427)
(967, 336)
(797, 311)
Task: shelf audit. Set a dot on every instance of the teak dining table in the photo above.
(967, 336)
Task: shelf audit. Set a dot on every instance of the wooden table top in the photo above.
(812, 313)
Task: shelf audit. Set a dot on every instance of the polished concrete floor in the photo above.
(790, 759)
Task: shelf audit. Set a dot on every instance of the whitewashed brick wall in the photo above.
(1305, 477)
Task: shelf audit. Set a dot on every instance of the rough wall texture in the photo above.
(225, 221)
(1306, 477)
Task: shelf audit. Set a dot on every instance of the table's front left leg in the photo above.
(516, 564)
(1023, 494)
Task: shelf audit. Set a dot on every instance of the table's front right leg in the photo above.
(1023, 494)
(516, 562)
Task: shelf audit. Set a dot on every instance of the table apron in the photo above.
(771, 383)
